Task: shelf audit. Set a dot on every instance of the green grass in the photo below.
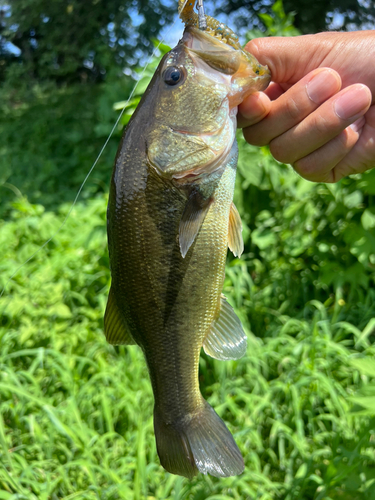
(76, 413)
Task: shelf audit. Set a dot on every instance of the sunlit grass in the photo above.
(76, 413)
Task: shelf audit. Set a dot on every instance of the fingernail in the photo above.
(352, 102)
(322, 86)
(357, 126)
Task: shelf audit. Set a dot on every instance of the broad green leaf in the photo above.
(368, 219)
(366, 366)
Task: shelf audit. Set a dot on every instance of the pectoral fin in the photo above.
(235, 241)
(226, 339)
(115, 329)
(192, 218)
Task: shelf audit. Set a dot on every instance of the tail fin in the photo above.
(197, 443)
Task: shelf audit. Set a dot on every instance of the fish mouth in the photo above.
(219, 55)
(214, 52)
(187, 156)
(202, 37)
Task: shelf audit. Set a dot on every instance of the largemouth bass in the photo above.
(170, 222)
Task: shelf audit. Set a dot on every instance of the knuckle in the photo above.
(293, 110)
(321, 126)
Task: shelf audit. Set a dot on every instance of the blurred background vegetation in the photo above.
(76, 413)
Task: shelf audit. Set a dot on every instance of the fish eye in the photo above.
(173, 75)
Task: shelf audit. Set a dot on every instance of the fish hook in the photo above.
(202, 23)
(189, 17)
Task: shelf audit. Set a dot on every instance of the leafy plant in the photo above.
(76, 413)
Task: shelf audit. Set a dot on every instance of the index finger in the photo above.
(289, 58)
(294, 105)
(257, 106)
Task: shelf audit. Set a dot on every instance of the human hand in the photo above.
(318, 114)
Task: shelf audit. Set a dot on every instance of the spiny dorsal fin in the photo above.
(235, 241)
(115, 329)
(226, 339)
(195, 211)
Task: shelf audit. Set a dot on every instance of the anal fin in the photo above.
(235, 241)
(226, 339)
(192, 218)
(115, 328)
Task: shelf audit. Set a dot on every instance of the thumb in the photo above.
(289, 58)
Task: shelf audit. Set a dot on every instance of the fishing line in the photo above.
(95, 162)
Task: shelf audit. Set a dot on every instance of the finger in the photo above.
(322, 125)
(362, 156)
(253, 109)
(294, 105)
(274, 90)
(319, 166)
(358, 125)
(290, 58)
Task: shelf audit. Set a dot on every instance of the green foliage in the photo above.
(320, 15)
(309, 17)
(51, 135)
(76, 413)
(76, 41)
(276, 23)
(50, 138)
(144, 77)
(303, 240)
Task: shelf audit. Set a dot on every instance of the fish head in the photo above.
(196, 91)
